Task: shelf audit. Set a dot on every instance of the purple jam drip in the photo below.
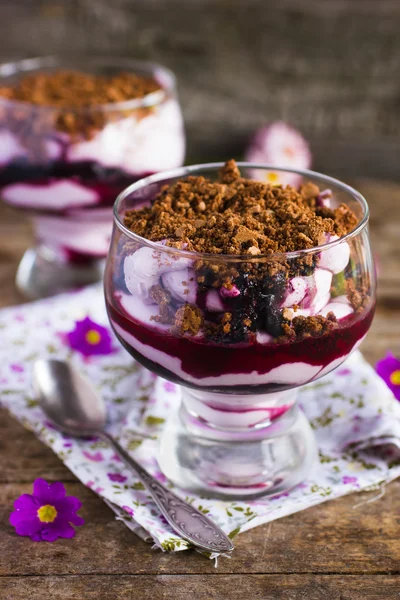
(202, 358)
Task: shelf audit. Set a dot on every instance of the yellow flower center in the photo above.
(93, 337)
(289, 152)
(47, 513)
(395, 377)
(272, 178)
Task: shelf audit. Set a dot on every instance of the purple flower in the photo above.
(46, 514)
(117, 477)
(128, 510)
(343, 372)
(348, 479)
(389, 369)
(17, 368)
(89, 338)
(95, 456)
(279, 145)
(169, 387)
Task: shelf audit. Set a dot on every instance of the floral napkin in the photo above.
(354, 415)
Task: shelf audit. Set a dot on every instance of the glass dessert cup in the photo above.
(67, 181)
(239, 431)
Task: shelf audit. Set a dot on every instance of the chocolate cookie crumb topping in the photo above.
(188, 319)
(238, 216)
(238, 299)
(72, 93)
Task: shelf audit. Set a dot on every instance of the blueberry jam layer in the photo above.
(200, 360)
(105, 183)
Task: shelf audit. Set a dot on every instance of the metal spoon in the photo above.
(73, 405)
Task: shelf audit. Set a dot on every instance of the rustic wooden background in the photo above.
(332, 67)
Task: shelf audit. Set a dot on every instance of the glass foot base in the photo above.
(42, 273)
(279, 458)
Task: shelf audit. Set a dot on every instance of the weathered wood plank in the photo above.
(333, 537)
(232, 587)
(23, 457)
(330, 67)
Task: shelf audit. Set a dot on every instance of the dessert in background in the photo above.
(72, 138)
(279, 145)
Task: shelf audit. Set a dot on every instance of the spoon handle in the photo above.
(186, 520)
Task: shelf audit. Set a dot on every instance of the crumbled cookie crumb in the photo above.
(188, 319)
(238, 216)
(314, 326)
(358, 298)
(71, 93)
(163, 299)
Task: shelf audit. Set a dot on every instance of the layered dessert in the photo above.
(71, 141)
(240, 290)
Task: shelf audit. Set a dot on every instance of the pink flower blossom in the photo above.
(348, 479)
(128, 510)
(279, 145)
(117, 477)
(343, 372)
(95, 457)
(169, 386)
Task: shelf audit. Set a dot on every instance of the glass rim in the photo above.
(198, 169)
(28, 65)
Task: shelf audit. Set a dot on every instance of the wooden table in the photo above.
(332, 552)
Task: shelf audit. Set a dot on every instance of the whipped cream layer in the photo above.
(60, 195)
(132, 146)
(83, 233)
(238, 411)
(152, 143)
(305, 296)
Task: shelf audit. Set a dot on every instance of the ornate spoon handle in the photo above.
(186, 520)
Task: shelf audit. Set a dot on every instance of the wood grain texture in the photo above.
(181, 587)
(334, 537)
(335, 551)
(331, 67)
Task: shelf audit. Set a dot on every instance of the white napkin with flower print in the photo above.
(354, 415)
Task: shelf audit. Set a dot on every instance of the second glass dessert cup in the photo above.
(64, 165)
(239, 431)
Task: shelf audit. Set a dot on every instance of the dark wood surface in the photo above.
(331, 67)
(330, 552)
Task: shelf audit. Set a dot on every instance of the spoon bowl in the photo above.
(71, 402)
(68, 398)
